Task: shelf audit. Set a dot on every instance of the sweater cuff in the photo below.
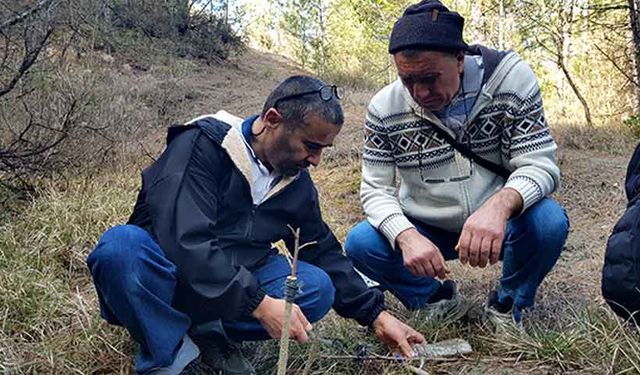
(393, 225)
(528, 188)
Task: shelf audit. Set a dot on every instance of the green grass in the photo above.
(50, 324)
(49, 318)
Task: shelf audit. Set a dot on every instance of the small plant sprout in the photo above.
(290, 291)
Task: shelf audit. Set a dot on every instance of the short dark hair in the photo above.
(298, 109)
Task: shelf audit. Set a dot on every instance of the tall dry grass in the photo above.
(50, 322)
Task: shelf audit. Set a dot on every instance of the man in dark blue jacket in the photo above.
(621, 270)
(194, 272)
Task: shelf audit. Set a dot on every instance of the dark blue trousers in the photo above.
(136, 284)
(531, 247)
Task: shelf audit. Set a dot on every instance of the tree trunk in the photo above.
(634, 20)
(501, 25)
(574, 87)
(478, 22)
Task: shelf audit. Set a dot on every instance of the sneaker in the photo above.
(502, 318)
(197, 367)
(225, 358)
(446, 305)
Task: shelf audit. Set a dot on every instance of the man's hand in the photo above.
(270, 313)
(398, 336)
(420, 255)
(483, 233)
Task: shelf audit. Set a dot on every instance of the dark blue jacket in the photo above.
(621, 271)
(196, 201)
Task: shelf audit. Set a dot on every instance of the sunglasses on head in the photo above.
(326, 93)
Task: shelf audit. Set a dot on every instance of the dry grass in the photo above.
(49, 320)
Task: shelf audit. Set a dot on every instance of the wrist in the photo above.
(404, 237)
(258, 313)
(507, 203)
(380, 320)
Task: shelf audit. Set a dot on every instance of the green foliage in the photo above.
(306, 23)
(346, 41)
(633, 123)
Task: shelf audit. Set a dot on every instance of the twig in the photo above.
(416, 370)
(290, 291)
(24, 14)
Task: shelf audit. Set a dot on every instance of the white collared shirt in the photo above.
(263, 179)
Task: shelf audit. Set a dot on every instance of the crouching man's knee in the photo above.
(317, 295)
(125, 258)
(362, 240)
(550, 222)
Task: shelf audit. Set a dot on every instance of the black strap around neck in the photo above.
(464, 150)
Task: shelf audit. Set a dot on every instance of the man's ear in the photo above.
(272, 118)
(460, 61)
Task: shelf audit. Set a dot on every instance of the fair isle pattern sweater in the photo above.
(506, 126)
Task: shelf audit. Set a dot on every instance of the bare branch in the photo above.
(25, 14)
(28, 60)
(618, 68)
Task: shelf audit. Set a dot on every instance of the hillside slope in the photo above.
(49, 315)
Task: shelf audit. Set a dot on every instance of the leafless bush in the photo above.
(59, 109)
(27, 138)
(174, 24)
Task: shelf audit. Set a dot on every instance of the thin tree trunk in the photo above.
(634, 20)
(574, 87)
(226, 12)
(501, 24)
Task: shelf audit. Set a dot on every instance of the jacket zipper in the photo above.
(254, 208)
(252, 215)
(466, 204)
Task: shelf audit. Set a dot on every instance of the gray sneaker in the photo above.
(447, 310)
(501, 319)
(225, 358)
(197, 367)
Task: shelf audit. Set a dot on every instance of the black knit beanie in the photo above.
(428, 25)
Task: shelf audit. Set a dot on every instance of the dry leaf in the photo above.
(281, 246)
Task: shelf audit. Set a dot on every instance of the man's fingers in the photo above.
(405, 349)
(297, 330)
(444, 264)
(299, 325)
(418, 269)
(415, 337)
(463, 246)
(429, 271)
(485, 251)
(301, 336)
(438, 268)
(474, 251)
(496, 247)
(303, 319)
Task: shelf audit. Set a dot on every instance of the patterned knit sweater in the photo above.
(506, 126)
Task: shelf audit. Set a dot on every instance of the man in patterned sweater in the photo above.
(450, 205)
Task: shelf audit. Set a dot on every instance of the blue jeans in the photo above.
(531, 247)
(135, 283)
